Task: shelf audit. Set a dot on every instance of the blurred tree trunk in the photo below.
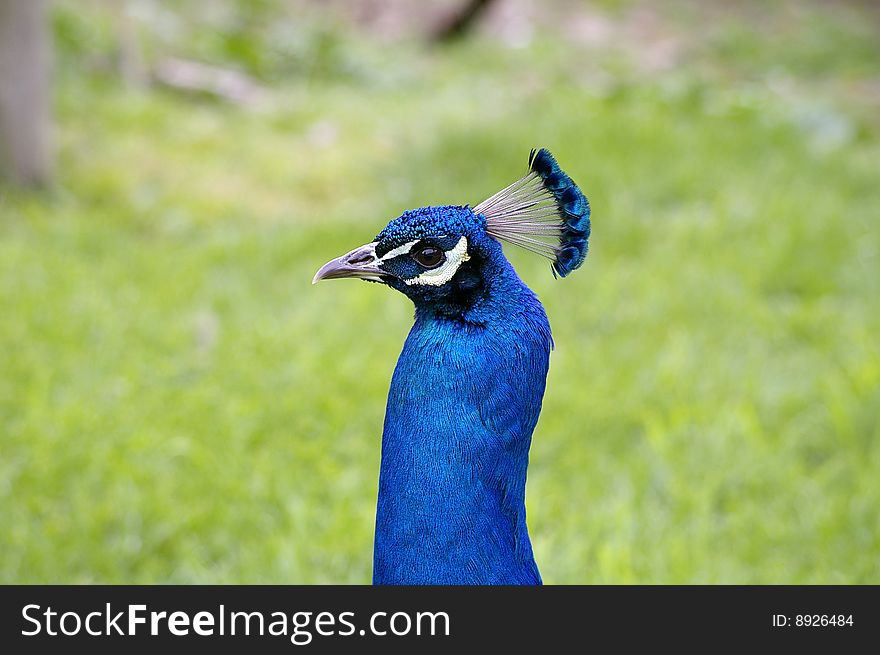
(129, 61)
(461, 22)
(25, 92)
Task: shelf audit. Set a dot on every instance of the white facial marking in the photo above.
(399, 250)
(439, 276)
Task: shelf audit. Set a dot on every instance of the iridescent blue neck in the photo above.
(464, 400)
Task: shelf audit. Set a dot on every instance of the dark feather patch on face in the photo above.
(405, 266)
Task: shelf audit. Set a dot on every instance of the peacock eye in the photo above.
(428, 256)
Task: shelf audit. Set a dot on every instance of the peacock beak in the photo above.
(359, 263)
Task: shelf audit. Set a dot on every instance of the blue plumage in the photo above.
(467, 389)
(464, 399)
(572, 203)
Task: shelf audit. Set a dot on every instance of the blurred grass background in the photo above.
(179, 404)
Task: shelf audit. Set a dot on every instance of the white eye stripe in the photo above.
(398, 251)
(439, 276)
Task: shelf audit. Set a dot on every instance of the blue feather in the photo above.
(574, 204)
(464, 400)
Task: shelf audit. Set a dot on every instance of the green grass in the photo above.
(179, 404)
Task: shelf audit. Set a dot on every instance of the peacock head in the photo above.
(446, 255)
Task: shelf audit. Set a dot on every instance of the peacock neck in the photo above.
(464, 400)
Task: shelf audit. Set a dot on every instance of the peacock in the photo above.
(467, 389)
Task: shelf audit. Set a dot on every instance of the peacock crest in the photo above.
(544, 212)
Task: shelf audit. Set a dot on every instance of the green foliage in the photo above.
(179, 404)
(269, 39)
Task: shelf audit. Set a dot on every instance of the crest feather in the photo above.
(544, 212)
